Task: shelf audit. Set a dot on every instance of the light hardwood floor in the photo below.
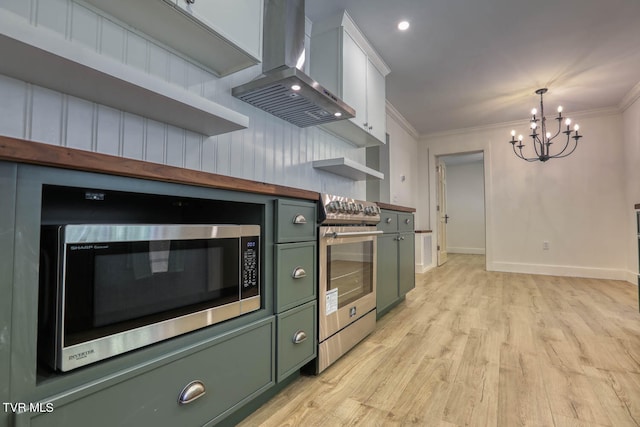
(476, 348)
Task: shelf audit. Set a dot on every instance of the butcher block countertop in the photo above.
(23, 151)
(383, 205)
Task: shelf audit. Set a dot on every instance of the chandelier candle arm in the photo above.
(542, 141)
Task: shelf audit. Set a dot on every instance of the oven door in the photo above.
(347, 276)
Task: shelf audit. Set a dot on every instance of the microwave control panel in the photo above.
(250, 264)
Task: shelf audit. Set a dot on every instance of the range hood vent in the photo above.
(283, 90)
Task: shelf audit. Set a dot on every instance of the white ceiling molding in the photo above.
(630, 98)
(399, 118)
(598, 112)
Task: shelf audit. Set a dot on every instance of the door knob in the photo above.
(446, 219)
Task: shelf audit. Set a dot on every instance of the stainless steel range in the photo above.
(347, 275)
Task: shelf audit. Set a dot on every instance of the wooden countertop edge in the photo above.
(637, 206)
(383, 205)
(30, 152)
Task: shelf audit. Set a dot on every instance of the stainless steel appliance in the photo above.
(347, 275)
(109, 289)
(284, 90)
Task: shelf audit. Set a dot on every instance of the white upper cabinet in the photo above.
(376, 103)
(343, 61)
(224, 35)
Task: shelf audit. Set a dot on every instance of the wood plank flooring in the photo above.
(476, 348)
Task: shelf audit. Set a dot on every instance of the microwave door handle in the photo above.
(352, 233)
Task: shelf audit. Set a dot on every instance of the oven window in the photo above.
(121, 285)
(350, 270)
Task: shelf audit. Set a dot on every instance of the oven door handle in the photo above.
(335, 235)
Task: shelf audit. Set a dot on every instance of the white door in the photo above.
(441, 209)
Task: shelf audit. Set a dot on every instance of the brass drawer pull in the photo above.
(299, 337)
(192, 391)
(299, 273)
(299, 219)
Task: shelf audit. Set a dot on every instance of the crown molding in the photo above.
(630, 98)
(399, 118)
(598, 112)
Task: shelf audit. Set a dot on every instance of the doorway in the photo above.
(460, 205)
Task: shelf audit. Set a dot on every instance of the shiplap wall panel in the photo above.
(52, 14)
(79, 124)
(270, 150)
(108, 130)
(13, 113)
(85, 25)
(47, 112)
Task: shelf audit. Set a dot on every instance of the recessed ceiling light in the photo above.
(337, 114)
(403, 25)
(295, 87)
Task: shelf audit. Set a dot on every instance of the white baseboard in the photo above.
(565, 270)
(421, 268)
(469, 251)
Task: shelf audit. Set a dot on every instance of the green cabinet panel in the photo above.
(388, 221)
(405, 222)
(387, 278)
(406, 262)
(296, 280)
(296, 338)
(7, 231)
(295, 221)
(234, 369)
(396, 259)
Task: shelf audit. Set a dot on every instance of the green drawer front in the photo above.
(235, 369)
(292, 356)
(388, 221)
(405, 222)
(295, 259)
(295, 221)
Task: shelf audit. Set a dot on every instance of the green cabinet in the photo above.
(235, 359)
(7, 226)
(295, 221)
(295, 274)
(230, 370)
(396, 259)
(387, 278)
(296, 338)
(296, 285)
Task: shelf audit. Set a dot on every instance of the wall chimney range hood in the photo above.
(284, 90)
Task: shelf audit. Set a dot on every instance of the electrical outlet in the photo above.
(545, 245)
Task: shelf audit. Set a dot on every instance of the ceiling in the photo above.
(467, 63)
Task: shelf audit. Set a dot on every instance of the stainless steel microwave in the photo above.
(106, 289)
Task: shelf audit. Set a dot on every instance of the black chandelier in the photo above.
(542, 141)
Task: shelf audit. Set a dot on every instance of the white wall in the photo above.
(631, 131)
(578, 203)
(465, 207)
(270, 150)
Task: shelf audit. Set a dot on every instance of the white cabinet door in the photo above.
(238, 21)
(354, 83)
(376, 108)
